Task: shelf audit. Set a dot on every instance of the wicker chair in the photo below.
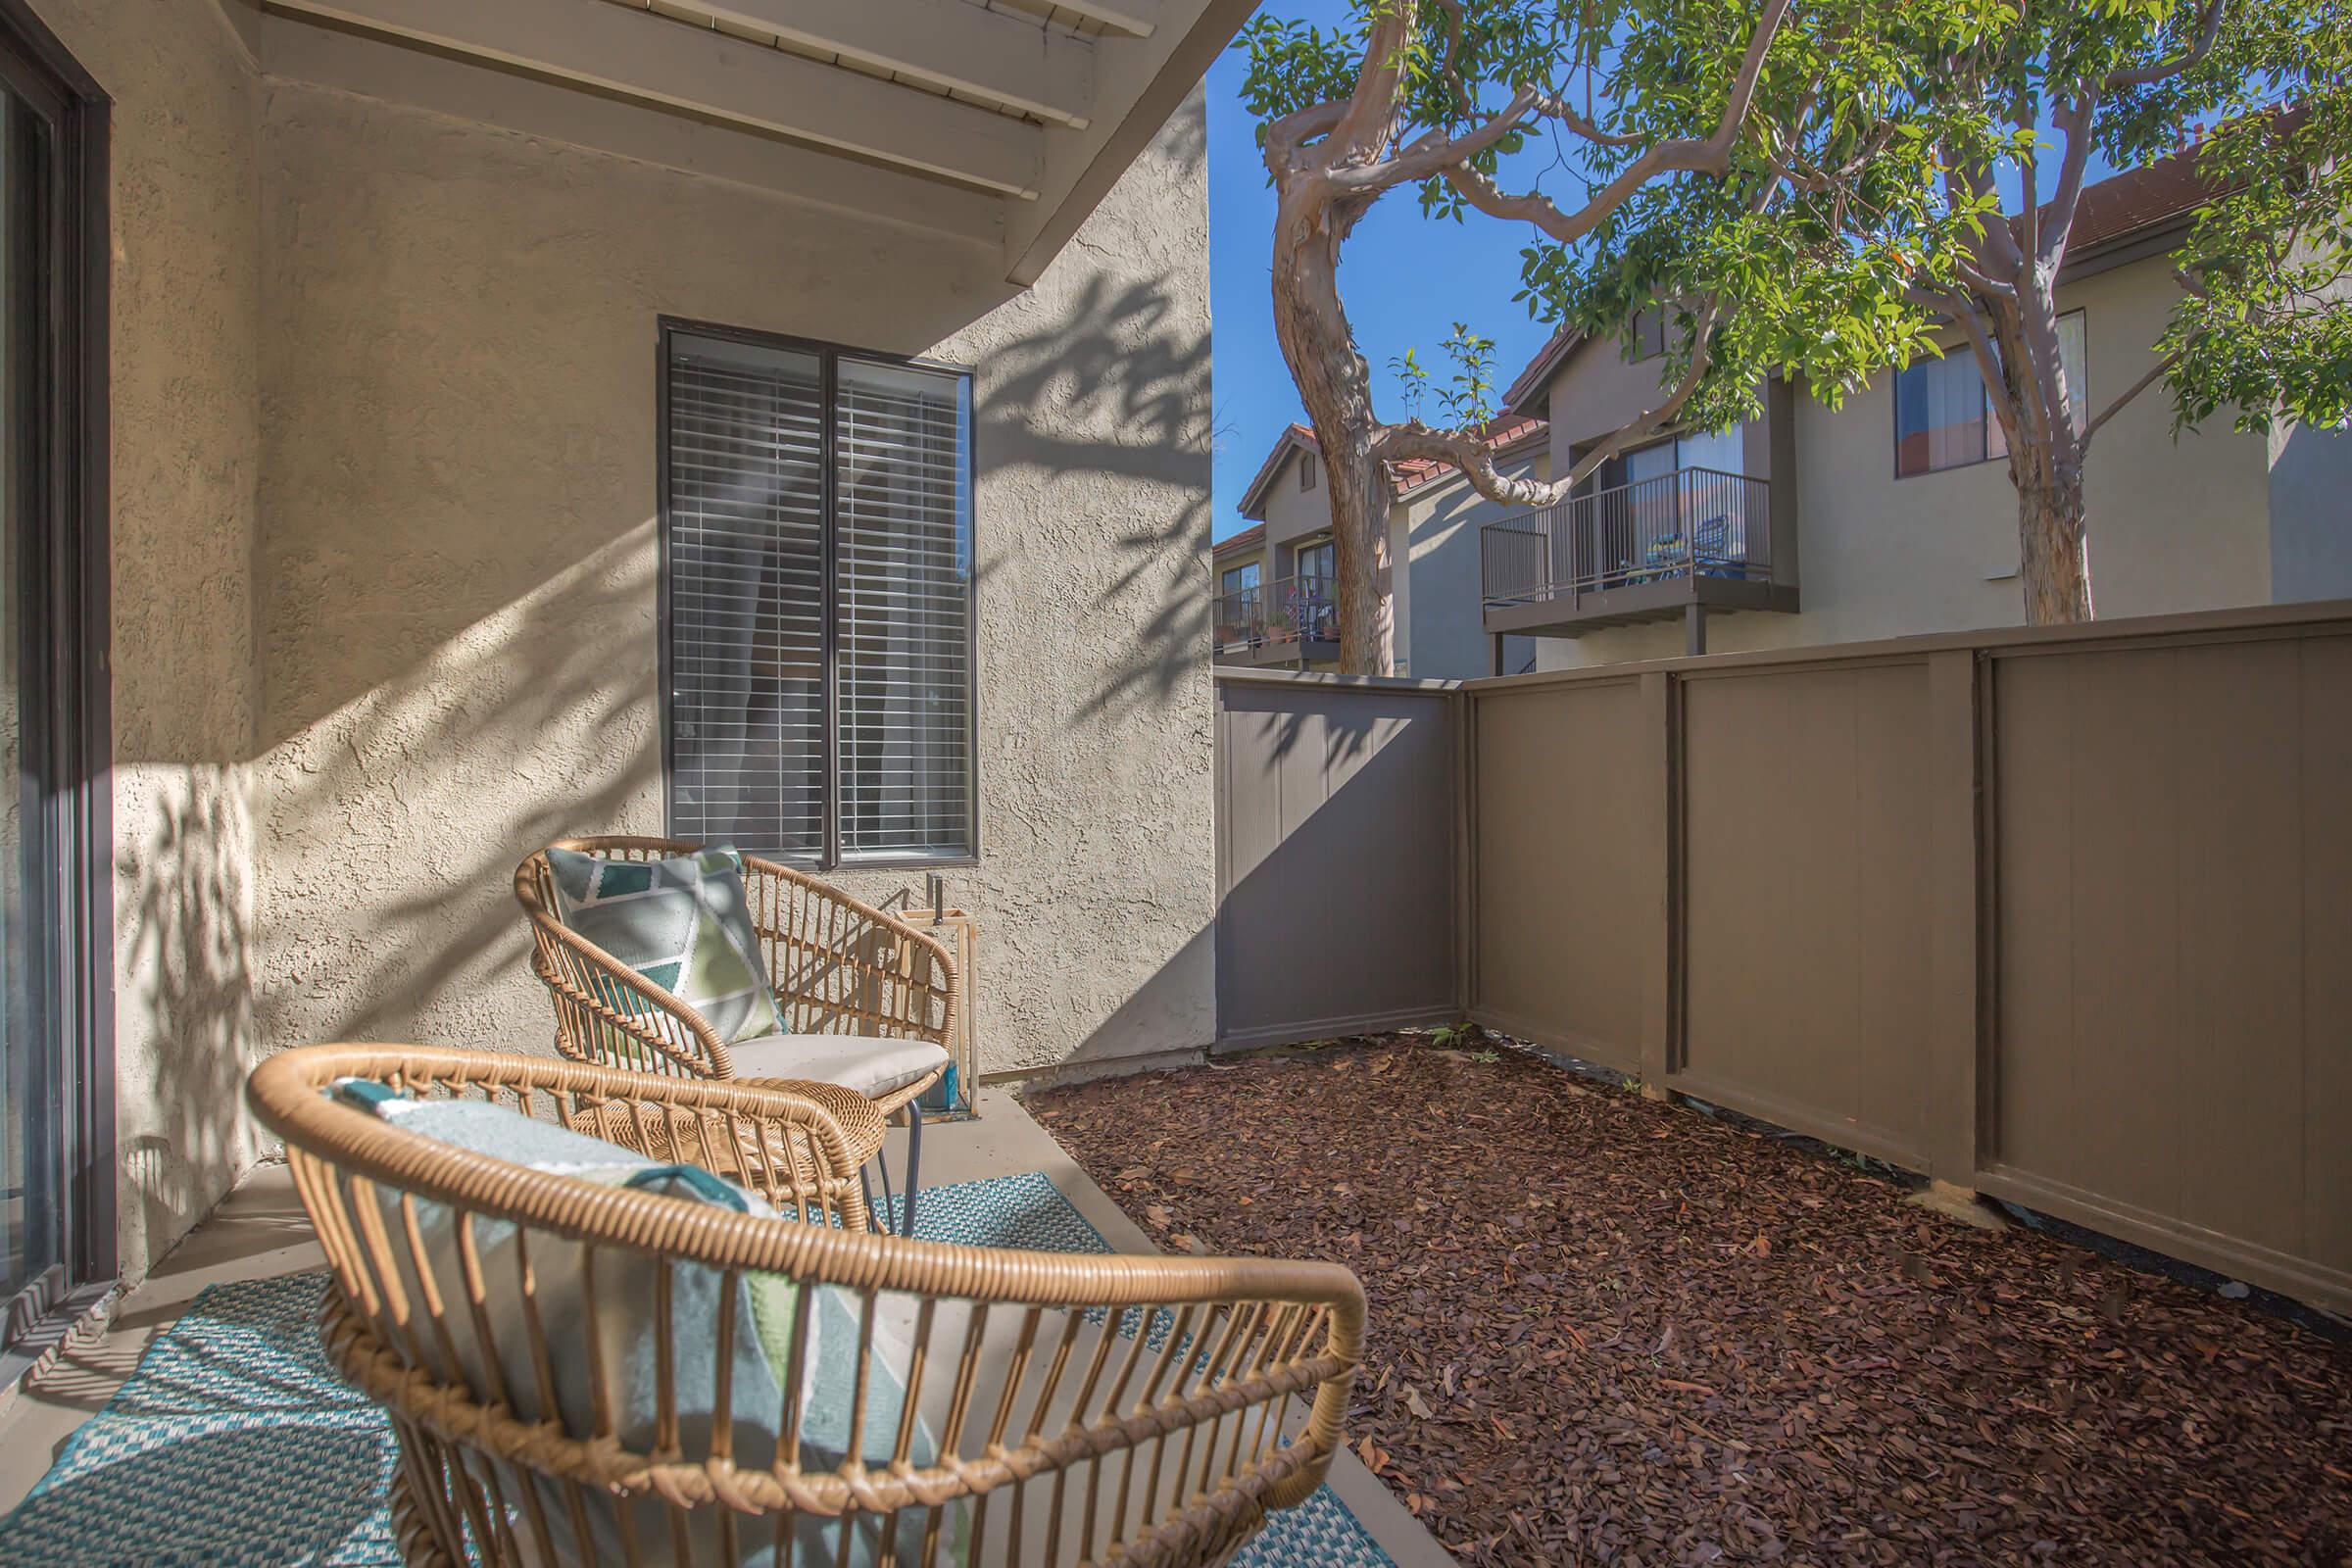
(1048, 1407)
(839, 966)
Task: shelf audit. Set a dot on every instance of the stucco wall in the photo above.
(1293, 514)
(2174, 524)
(458, 558)
(185, 212)
(1448, 634)
(2310, 514)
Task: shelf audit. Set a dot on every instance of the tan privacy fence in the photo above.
(2062, 915)
(1336, 812)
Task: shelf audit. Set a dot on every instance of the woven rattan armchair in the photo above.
(838, 965)
(1048, 1407)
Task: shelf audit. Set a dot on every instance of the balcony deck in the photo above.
(1650, 550)
(1289, 621)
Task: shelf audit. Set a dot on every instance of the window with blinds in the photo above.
(818, 587)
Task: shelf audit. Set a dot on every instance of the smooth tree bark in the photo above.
(1330, 163)
(2005, 301)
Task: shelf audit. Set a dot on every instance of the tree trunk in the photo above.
(1336, 385)
(2053, 550)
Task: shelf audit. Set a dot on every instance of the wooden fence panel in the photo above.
(1567, 885)
(2065, 915)
(1337, 812)
(2172, 1053)
(1807, 909)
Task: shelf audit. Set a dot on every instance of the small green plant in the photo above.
(1456, 1036)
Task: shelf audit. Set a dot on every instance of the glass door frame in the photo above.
(62, 497)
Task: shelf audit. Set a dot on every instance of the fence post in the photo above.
(1655, 891)
(1954, 873)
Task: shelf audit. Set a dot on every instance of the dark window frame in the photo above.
(1306, 470)
(829, 355)
(68, 566)
(1990, 424)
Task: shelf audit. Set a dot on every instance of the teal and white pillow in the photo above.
(770, 1309)
(684, 924)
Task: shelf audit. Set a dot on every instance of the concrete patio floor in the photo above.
(261, 1231)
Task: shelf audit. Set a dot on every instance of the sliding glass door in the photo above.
(28, 1164)
(56, 1111)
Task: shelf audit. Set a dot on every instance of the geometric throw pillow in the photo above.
(684, 924)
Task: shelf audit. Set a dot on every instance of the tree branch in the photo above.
(1566, 114)
(2209, 26)
(1469, 451)
(1371, 110)
(2058, 227)
(1678, 155)
(1998, 245)
(1284, 136)
(2155, 372)
(1425, 157)
(1964, 313)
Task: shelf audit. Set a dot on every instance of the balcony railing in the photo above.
(1286, 611)
(1693, 522)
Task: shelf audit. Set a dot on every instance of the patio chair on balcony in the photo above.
(861, 1001)
(592, 1352)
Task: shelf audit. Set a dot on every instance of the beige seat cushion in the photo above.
(871, 1064)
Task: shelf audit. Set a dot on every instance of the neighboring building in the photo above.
(1897, 505)
(555, 417)
(1274, 581)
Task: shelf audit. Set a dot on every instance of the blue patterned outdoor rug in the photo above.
(235, 1445)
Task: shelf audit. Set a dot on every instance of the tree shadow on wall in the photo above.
(1119, 389)
(410, 931)
(189, 952)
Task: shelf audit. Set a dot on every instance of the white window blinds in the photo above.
(819, 618)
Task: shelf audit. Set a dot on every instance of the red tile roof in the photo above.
(1249, 538)
(1502, 433)
(2134, 202)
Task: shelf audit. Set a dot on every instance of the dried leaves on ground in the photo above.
(1609, 1330)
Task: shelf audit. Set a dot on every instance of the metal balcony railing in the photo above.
(1288, 610)
(1693, 522)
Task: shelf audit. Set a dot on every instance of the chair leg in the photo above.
(880, 1212)
(914, 1161)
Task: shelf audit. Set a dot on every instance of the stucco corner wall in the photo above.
(185, 204)
(458, 563)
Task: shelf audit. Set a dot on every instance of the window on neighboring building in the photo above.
(818, 589)
(1317, 561)
(1306, 470)
(1941, 419)
(1241, 579)
(1649, 335)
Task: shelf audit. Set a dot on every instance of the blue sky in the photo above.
(1406, 281)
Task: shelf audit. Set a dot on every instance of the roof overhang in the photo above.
(1529, 396)
(1000, 125)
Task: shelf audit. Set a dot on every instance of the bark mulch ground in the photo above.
(1604, 1329)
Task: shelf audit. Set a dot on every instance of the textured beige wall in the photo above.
(2174, 524)
(185, 208)
(1293, 514)
(456, 563)
(1445, 628)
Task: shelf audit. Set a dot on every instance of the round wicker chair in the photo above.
(1047, 1408)
(838, 965)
